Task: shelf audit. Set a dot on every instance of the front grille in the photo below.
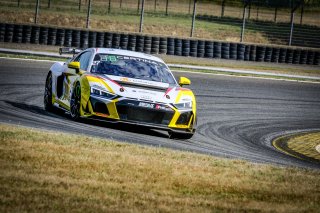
(99, 106)
(144, 115)
(184, 118)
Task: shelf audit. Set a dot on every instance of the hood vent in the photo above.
(139, 86)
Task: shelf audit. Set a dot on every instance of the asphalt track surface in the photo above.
(237, 117)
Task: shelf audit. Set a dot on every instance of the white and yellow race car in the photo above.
(123, 86)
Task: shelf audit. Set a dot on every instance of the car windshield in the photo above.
(132, 67)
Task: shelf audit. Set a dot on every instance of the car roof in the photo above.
(127, 53)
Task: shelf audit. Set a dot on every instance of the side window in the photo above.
(84, 60)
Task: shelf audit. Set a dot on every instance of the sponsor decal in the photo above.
(153, 106)
(146, 105)
(124, 79)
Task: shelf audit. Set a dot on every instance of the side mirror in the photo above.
(184, 81)
(74, 65)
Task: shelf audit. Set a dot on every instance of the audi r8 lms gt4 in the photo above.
(123, 86)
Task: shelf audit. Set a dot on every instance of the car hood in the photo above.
(139, 89)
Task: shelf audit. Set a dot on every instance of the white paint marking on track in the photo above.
(30, 59)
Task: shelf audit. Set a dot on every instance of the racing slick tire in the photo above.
(75, 102)
(47, 99)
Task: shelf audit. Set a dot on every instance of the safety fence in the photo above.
(35, 34)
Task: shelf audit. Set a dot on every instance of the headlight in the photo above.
(102, 94)
(185, 105)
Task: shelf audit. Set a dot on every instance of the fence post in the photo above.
(109, 6)
(167, 3)
(223, 4)
(49, 4)
(37, 12)
(79, 5)
(243, 21)
(138, 8)
(88, 14)
(141, 17)
(193, 17)
(291, 27)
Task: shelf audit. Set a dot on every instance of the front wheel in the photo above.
(47, 99)
(75, 102)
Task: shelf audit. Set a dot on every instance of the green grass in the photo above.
(49, 171)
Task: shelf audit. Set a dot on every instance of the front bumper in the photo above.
(144, 113)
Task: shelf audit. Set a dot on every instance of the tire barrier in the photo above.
(2, 31)
(100, 39)
(34, 34)
(52, 36)
(124, 38)
(8, 36)
(108, 40)
(185, 47)
(115, 40)
(92, 39)
(225, 47)
(275, 55)
(247, 53)
(310, 57)
(17, 34)
(233, 51)
(303, 57)
(84, 39)
(316, 58)
(68, 38)
(147, 44)
(217, 49)
(282, 55)
(60, 37)
(200, 49)
(260, 53)
(268, 54)
(26, 38)
(208, 49)
(296, 56)
(170, 46)
(163, 45)
(132, 42)
(140, 43)
(76, 38)
(178, 46)
(253, 52)
(155, 42)
(240, 51)
(43, 37)
(289, 56)
(193, 48)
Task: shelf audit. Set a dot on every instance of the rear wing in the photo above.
(69, 50)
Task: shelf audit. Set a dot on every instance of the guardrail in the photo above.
(35, 34)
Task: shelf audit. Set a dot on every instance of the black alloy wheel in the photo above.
(47, 99)
(75, 102)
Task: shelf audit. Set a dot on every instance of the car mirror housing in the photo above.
(74, 65)
(184, 81)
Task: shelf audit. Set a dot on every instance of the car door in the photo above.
(71, 75)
